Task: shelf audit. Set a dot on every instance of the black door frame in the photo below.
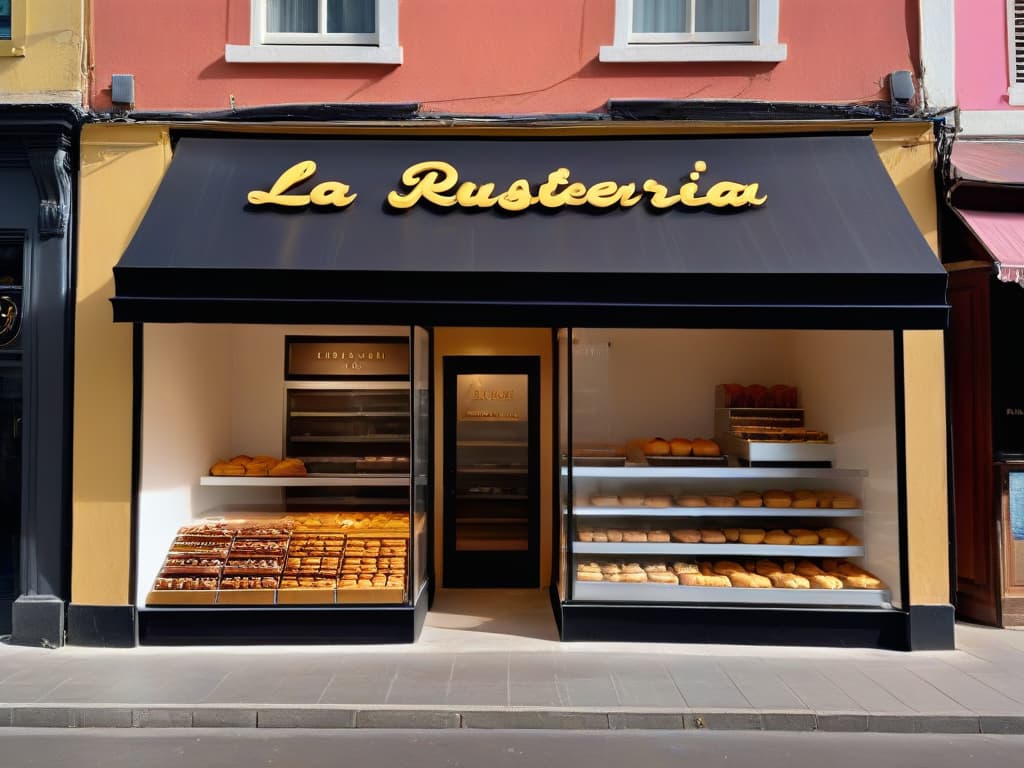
(453, 574)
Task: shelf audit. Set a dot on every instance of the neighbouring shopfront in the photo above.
(37, 158)
(467, 340)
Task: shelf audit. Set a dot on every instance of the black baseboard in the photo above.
(38, 621)
(861, 628)
(932, 628)
(102, 626)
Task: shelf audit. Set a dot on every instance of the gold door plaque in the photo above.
(347, 358)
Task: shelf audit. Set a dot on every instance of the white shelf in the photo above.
(669, 593)
(750, 550)
(677, 512)
(344, 414)
(491, 444)
(713, 473)
(334, 480)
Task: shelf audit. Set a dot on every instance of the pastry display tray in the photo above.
(599, 461)
(687, 461)
(670, 593)
(730, 512)
(751, 550)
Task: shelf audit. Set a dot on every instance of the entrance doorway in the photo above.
(491, 520)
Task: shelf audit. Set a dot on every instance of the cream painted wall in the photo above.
(907, 150)
(121, 168)
(53, 67)
(496, 341)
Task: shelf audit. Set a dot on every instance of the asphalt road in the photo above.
(366, 748)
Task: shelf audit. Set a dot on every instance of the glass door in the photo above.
(492, 504)
(10, 488)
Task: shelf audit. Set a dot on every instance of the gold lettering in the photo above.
(659, 194)
(627, 198)
(750, 196)
(604, 194)
(688, 194)
(427, 180)
(727, 193)
(517, 196)
(547, 194)
(288, 179)
(469, 195)
(331, 193)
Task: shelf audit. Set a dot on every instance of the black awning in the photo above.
(832, 245)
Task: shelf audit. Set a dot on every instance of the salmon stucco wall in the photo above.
(982, 54)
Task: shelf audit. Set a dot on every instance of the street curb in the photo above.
(494, 718)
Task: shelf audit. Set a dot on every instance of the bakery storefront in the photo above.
(687, 379)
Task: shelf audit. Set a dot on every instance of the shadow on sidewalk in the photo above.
(523, 613)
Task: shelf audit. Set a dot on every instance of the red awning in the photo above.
(1002, 234)
(995, 162)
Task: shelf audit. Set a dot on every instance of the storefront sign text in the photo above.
(437, 182)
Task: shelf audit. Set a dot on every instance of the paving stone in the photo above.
(44, 717)
(318, 717)
(725, 721)
(788, 721)
(852, 722)
(538, 719)
(645, 721)
(224, 718)
(104, 717)
(1007, 724)
(5, 716)
(162, 718)
(407, 718)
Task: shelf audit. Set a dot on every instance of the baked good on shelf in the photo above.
(712, 536)
(609, 568)
(689, 500)
(241, 458)
(749, 499)
(634, 536)
(725, 567)
(862, 581)
(288, 468)
(589, 567)
(778, 537)
(600, 536)
(680, 446)
(657, 447)
(804, 499)
(707, 448)
(784, 580)
(825, 581)
(749, 580)
(660, 502)
(834, 537)
(700, 580)
(658, 536)
(845, 501)
(685, 535)
(662, 577)
(256, 469)
(614, 534)
(732, 535)
(807, 568)
(632, 500)
(767, 567)
(227, 469)
(584, 535)
(825, 498)
(604, 500)
(681, 566)
(655, 568)
(717, 500)
(752, 535)
(803, 536)
(778, 498)
(589, 576)
(635, 578)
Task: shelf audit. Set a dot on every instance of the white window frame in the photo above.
(380, 47)
(1015, 52)
(760, 43)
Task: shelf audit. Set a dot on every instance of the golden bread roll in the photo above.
(632, 500)
(825, 581)
(803, 537)
(751, 535)
(604, 500)
(683, 567)
(803, 499)
(702, 447)
(700, 580)
(778, 498)
(288, 468)
(589, 567)
(240, 459)
(257, 469)
(659, 502)
(227, 469)
(686, 535)
(655, 568)
(767, 567)
(833, 537)
(749, 499)
(853, 541)
(831, 565)
(600, 536)
(634, 537)
(778, 536)
(632, 568)
(825, 498)
(807, 568)
(634, 578)
(711, 536)
(725, 567)
(658, 536)
(720, 501)
(789, 581)
(588, 576)
(661, 577)
(614, 534)
(749, 580)
(845, 501)
(657, 447)
(789, 566)
(609, 568)
(680, 446)
(270, 461)
(613, 577)
(705, 568)
(584, 535)
(861, 581)
(732, 535)
(690, 501)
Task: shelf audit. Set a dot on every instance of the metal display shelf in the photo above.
(669, 593)
(308, 481)
(644, 472)
(756, 550)
(678, 512)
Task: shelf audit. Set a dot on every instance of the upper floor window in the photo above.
(1015, 39)
(12, 27)
(5, 19)
(324, 31)
(695, 30)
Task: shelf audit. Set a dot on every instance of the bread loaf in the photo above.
(634, 536)
(789, 581)
(749, 499)
(717, 500)
(658, 536)
(711, 536)
(680, 446)
(657, 447)
(749, 580)
(778, 537)
(690, 501)
(659, 502)
(803, 537)
(725, 567)
(632, 500)
(662, 577)
(700, 580)
(778, 498)
(686, 535)
(825, 581)
(752, 535)
(731, 534)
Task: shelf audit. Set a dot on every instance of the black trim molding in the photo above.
(932, 628)
(103, 626)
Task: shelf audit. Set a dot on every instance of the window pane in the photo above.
(5, 19)
(291, 15)
(660, 15)
(722, 16)
(352, 16)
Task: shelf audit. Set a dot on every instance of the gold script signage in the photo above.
(437, 182)
(342, 358)
(492, 397)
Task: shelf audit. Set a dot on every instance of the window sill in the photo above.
(693, 52)
(1016, 95)
(312, 54)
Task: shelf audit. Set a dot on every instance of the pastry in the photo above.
(582, 535)
(725, 567)
(720, 501)
(680, 446)
(825, 581)
(657, 447)
(804, 499)
(227, 469)
(635, 578)
(825, 498)
(732, 535)
(662, 577)
(632, 500)
(658, 536)
(632, 568)
(690, 501)
(833, 537)
(257, 469)
(711, 536)
(589, 567)
(778, 536)
(751, 535)
(803, 537)
(845, 501)
(686, 535)
(634, 536)
(614, 534)
(240, 459)
(604, 501)
(749, 499)
(777, 498)
(807, 568)
(789, 580)
(861, 581)
(609, 568)
(702, 447)
(658, 501)
(288, 468)
(749, 580)
(700, 580)
(600, 536)
(679, 567)
(768, 567)
(588, 576)
(655, 568)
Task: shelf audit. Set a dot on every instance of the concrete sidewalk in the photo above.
(478, 665)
